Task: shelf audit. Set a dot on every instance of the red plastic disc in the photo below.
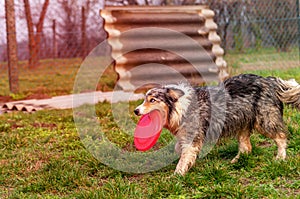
(148, 130)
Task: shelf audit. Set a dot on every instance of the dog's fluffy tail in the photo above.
(288, 91)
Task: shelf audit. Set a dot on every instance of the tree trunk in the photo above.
(83, 33)
(33, 59)
(39, 28)
(11, 46)
(54, 45)
(34, 39)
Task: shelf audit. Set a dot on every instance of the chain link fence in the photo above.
(71, 29)
(266, 29)
(258, 24)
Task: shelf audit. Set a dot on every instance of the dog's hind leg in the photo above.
(273, 127)
(281, 142)
(244, 144)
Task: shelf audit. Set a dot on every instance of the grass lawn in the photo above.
(50, 78)
(42, 156)
(262, 59)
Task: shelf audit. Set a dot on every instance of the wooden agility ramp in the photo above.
(160, 45)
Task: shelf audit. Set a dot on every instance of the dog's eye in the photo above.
(152, 100)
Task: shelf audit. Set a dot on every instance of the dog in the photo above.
(236, 107)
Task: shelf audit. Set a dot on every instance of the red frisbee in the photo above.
(148, 130)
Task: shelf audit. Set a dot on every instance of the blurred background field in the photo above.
(56, 77)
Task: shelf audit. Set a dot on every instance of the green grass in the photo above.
(42, 156)
(262, 59)
(291, 73)
(52, 77)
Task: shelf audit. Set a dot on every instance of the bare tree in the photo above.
(79, 33)
(94, 29)
(11, 45)
(83, 33)
(34, 37)
(70, 28)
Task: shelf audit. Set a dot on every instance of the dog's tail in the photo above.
(288, 91)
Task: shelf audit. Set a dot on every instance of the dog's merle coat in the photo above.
(235, 108)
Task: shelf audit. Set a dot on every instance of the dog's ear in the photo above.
(174, 93)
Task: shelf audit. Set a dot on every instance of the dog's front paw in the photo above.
(179, 172)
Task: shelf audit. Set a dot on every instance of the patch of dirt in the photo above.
(38, 96)
(129, 147)
(15, 126)
(4, 99)
(50, 126)
(35, 167)
(246, 181)
(265, 144)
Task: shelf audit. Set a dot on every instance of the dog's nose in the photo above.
(137, 111)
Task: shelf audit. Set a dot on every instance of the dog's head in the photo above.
(162, 99)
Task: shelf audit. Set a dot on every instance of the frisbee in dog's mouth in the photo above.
(148, 130)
